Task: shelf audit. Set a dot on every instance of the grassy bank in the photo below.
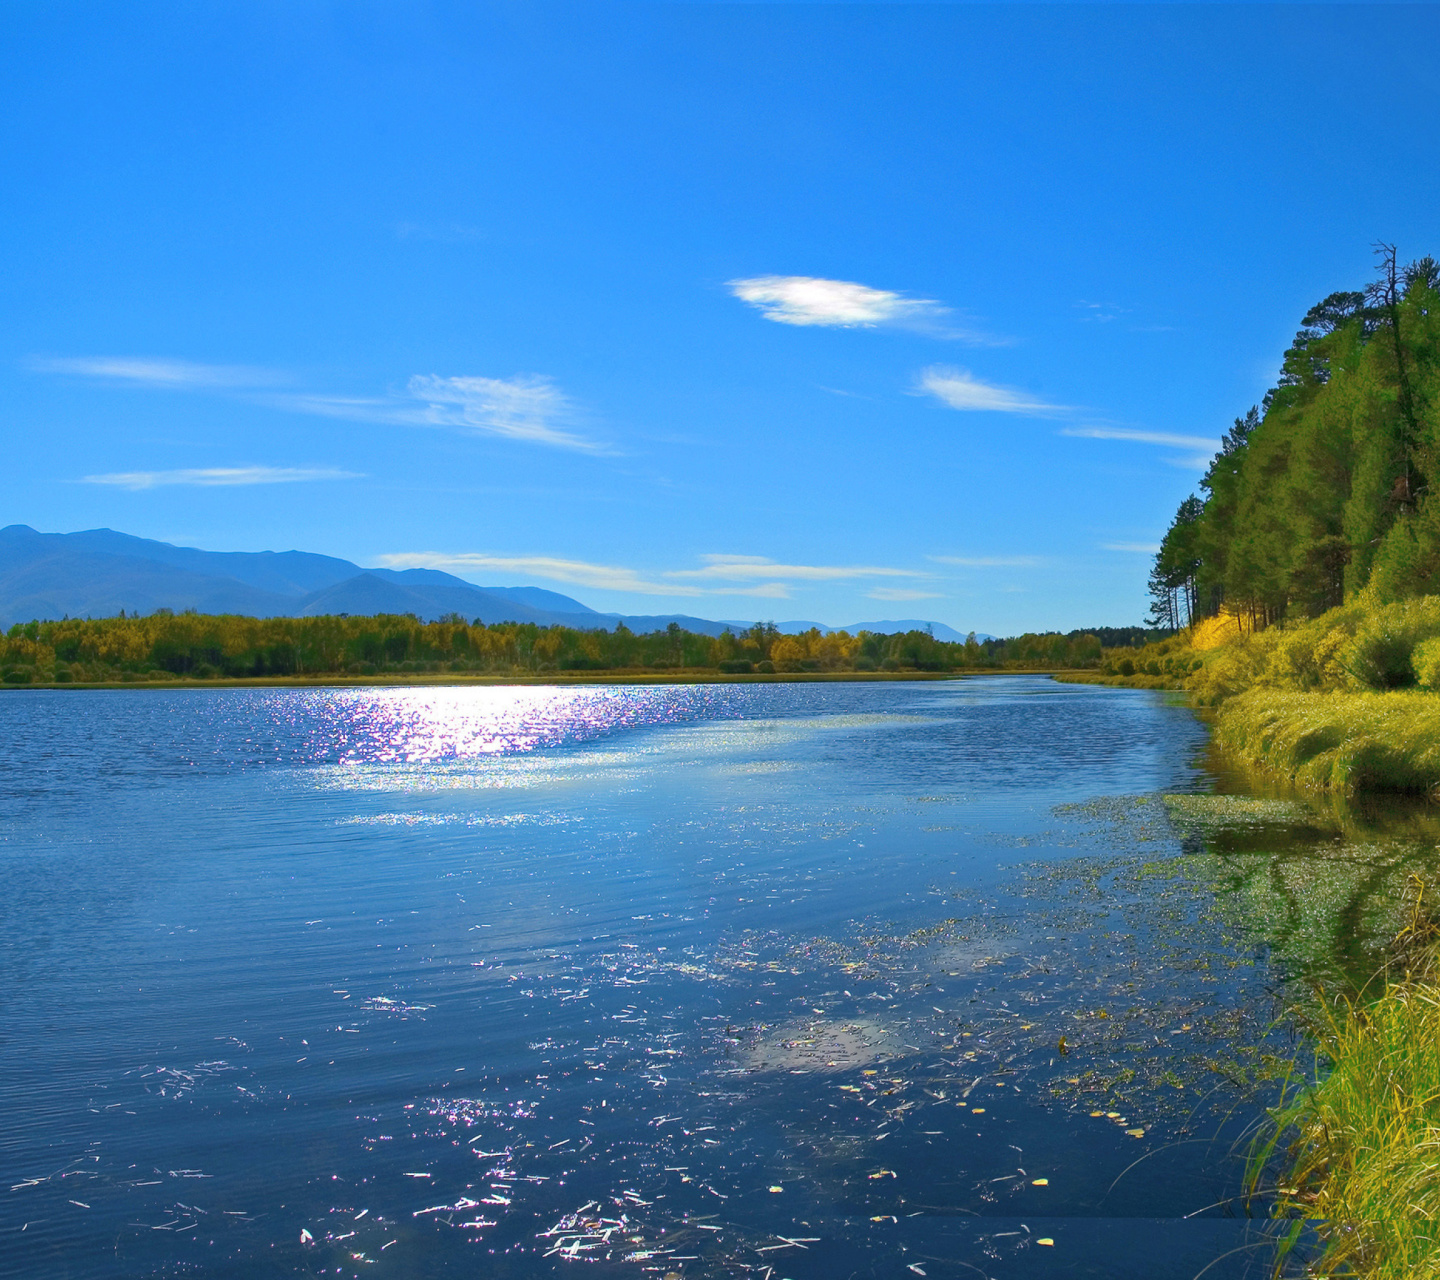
(1352, 743)
(1344, 702)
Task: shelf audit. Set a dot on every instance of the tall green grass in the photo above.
(1366, 1148)
(1344, 742)
(1364, 1136)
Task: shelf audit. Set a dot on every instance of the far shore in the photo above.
(443, 679)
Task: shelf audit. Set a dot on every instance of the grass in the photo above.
(1366, 1150)
(1345, 742)
(1364, 1136)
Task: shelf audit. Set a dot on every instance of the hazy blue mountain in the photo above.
(99, 572)
(938, 629)
(283, 572)
(642, 622)
(890, 625)
(539, 598)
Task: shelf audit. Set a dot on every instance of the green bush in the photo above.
(1426, 661)
(1380, 655)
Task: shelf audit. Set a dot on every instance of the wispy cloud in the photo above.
(1099, 312)
(988, 562)
(1143, 437)
(580, 573)
(960, 389)
(141, 371)
(218, 476)
(744, 568)
(1203, 447)
(901, 593)
(1136, 548)
(720, 575)
(527, 407)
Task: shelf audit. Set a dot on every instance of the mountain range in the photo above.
(99, 572)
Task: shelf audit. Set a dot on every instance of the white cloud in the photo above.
(988, 562)
(810, 300)
(845, 304)
(901, 593)
(526, 407)
(212, 476)
(149, 372)
(961, 390)
(742, 568)
(1137, 548)
(1143, 437)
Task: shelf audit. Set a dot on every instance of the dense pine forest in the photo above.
(166, 646)
(1327, 486)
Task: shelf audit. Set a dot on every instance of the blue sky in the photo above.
(832, 312)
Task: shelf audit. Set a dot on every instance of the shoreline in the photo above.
(438, 679)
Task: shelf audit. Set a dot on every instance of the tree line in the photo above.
(1325, 487)
(192, 646)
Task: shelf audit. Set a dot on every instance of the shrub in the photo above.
(1426, 661)
(1380, 655)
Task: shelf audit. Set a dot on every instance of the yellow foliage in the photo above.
(1221, 629)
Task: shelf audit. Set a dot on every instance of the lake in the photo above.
(784, 980)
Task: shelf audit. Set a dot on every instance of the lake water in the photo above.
(725, 980)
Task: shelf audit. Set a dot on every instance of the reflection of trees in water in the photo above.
(1321, 882)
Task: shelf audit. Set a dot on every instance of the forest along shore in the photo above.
(1302, 593)
(208, 649)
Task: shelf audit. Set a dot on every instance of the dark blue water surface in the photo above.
(750, 980)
